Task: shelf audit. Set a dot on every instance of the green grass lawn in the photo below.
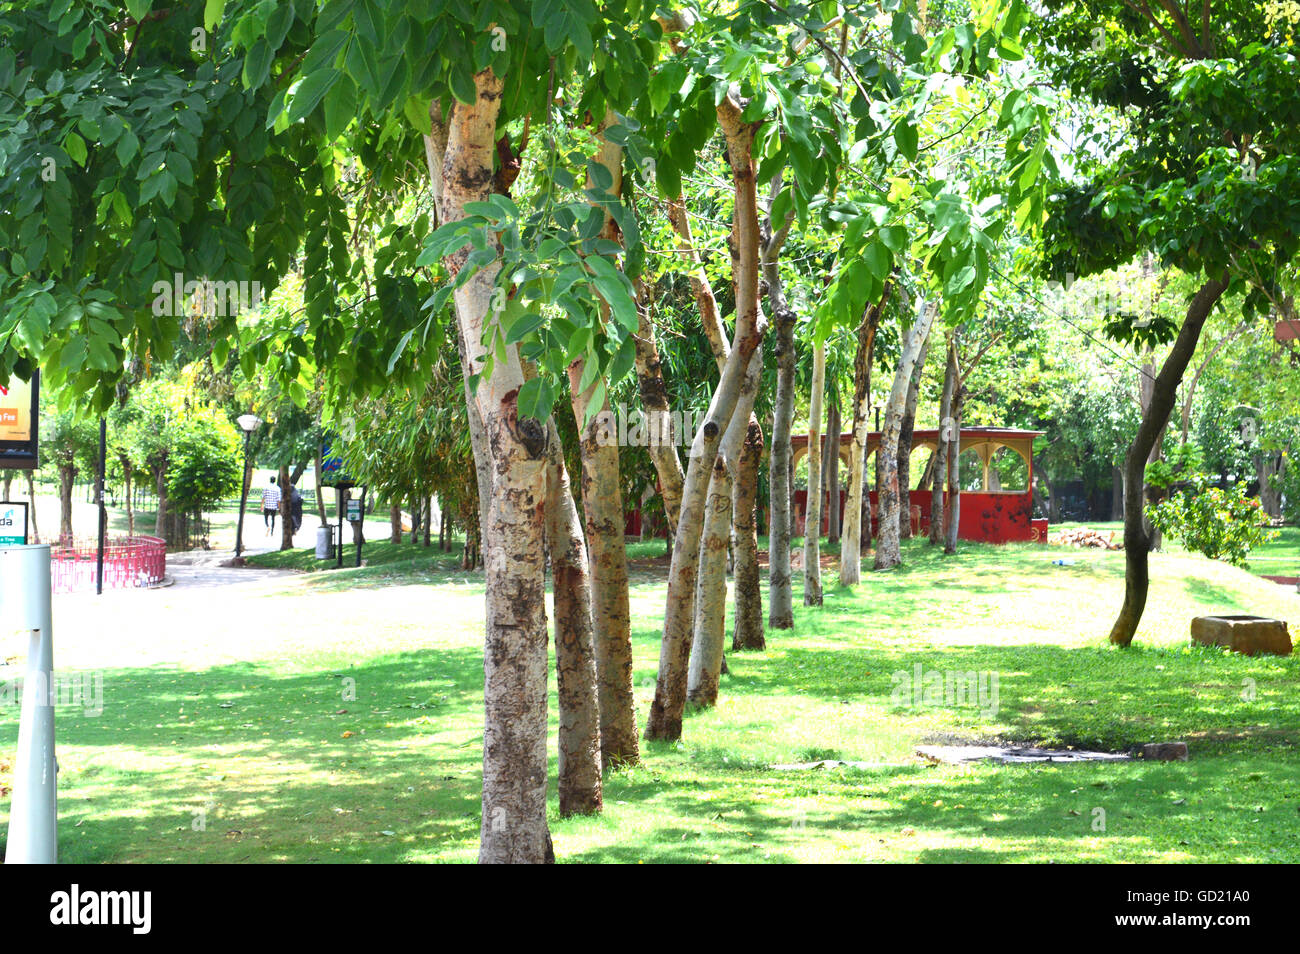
(241, 712)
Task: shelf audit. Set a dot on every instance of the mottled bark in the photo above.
(514, 827)
(575, 648)
(654, 402)
(1155, 417)
(666, 711)
(888, 553)
(831, 467)
(780, 595)
(286, 516)
(855, 521)
(748, 632)
(711, 591)
(812, 528)
(67, 474)
(395, 523)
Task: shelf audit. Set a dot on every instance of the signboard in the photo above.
(331, 463)
(354, 509)
(13, 524)
(19, 423)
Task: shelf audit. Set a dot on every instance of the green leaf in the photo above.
(907, 137)
(310, 92)
(213, 10)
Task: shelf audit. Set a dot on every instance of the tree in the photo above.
(1186, 167)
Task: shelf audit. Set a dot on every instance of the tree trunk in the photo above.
(852, 545)
(602, 506)
(575, 650)
(160, 518)
(711, 592)
(953, 524)
(888, 553)
(905, 444)
(812, 528)
(514, 827)
(31, 495)
(748, 632)
(127, 474)
(67, 474)
(831, 467)
(395, 523)
(286, 514)
(320, 490)
(654, 402)
(1154, 419)
(780, 596)
(666, 711)
(938, 532)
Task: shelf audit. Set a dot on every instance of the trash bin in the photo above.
(325, 543)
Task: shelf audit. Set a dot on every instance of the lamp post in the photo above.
(247, 423)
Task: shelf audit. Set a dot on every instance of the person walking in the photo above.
(270, 506)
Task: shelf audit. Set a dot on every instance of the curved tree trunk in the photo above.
(852, 544)
(665, 719)
(812, 528)
(888, 553)
(575, 649)
(711, 591)
(1164, 391)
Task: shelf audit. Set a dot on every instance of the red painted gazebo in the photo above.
(989, 512)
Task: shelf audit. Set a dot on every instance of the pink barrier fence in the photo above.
(128, 562)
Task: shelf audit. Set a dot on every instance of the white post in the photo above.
(25, 606)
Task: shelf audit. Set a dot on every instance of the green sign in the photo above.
(354, 510)
(13, 524)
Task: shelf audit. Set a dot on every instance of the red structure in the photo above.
(988, 512)
(128, 562)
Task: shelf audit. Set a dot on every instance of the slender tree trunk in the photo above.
(831, 467)
(711, 593)
(602, 505)
(286, 515)
(395, 523)
(938, 532)
(905, 444)
(31, 495)
(812, 566)
(852, 545)
(888, 553)
(320, 489)
(66, 476)
(654, 402)
(666, 711)
(748, 633)
(160, 518)
(428, 519)
(514, 827)
(1155, 417)
(575, 650)
(127, 474)
(780, 596)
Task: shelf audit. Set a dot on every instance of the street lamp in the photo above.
(247, 423)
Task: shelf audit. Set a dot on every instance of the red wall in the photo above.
(992, 518)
